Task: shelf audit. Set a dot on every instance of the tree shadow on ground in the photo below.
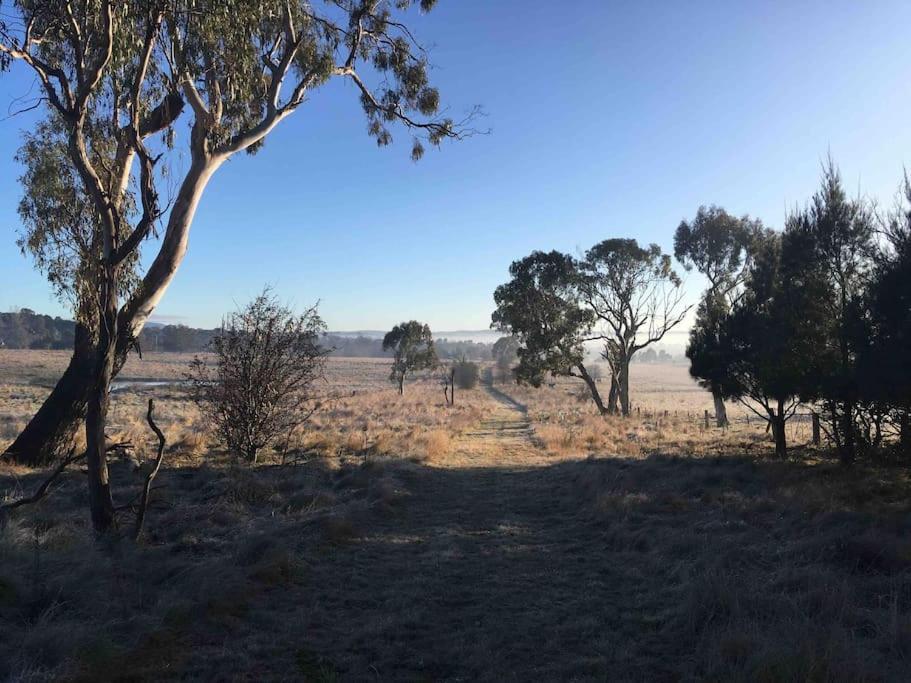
(621, 569)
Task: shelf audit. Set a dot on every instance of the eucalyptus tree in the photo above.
(412, 349)
(718, 245)
(635, 298)
(541, 308)
(115, 79)
(61, 232)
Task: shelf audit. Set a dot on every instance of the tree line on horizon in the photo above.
(25, 329)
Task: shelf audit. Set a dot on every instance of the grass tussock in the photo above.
(220, 542)
(764, 571)
(668, 417)
(506, 537)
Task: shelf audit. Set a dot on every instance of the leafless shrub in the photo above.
(260, 386)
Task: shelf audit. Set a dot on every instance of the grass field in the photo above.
(514, 536)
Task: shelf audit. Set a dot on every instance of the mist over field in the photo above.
(417, 340)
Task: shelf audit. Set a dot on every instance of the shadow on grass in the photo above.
(621, 569)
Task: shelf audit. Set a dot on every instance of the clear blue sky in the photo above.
(608, 119)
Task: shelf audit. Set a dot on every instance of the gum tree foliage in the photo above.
(117, 76)
(412, 349)
(540, 307)
(719, 246)
(635, 298)
(60, 227)
(260, 386)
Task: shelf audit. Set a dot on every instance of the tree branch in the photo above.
(147, 487)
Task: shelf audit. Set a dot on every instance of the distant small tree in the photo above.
(412, 346)
(260, 386)
(719, 246)
(505, 354)
(648, 356)
(466, 374)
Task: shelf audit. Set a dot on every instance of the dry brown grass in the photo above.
(224, 545)
(668, 410)
(415, 541)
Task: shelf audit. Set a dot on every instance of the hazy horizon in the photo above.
(645, 116)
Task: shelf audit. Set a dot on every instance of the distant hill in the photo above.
(26, 329)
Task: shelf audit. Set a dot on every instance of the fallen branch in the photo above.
(147, 488)
(42, 490)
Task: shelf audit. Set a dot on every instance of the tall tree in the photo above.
(885, 363)
(62, 233)
(836, 234)
(116, 77)
(540, 306)
(635, 297)
(766, 341)
(718, 245)
(412, 349)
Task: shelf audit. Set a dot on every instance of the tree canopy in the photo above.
(720, 246)
(412, 346)
(634, 297)
(115, 78)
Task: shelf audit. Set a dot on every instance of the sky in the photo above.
(607, 119)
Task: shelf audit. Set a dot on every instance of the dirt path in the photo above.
(504, 438)
(486, 572)
(503, 565)
(489, 569)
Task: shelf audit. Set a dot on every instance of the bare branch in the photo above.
(42, 490)
(150, 477)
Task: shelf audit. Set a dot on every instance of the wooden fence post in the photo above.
(706, 419)
(816, 438)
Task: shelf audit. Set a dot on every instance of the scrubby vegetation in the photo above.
(564, 509)
(644, 546)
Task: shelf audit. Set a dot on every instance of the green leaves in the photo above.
(540, 307)
(717, 244)
(412, 346)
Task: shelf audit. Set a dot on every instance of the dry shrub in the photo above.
(555, 438)
(436, 443)
(193, 443)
